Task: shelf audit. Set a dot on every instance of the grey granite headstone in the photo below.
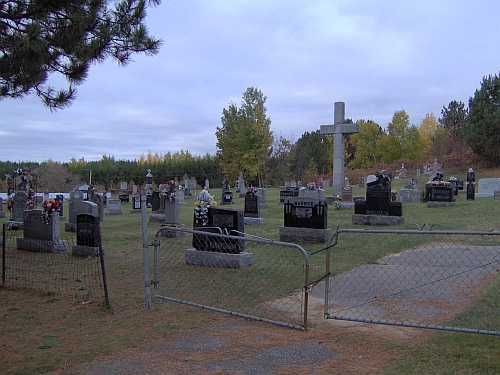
(113, 207)
(79, 207)
(41, 234)
(19, 200)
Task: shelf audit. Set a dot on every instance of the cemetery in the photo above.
(299, 215)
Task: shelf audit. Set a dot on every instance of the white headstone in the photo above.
(487, 187)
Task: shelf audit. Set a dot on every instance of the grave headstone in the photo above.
(361, 182)
(288, 193)
(75, 194)
(227, 197)
(172, 211)
(77, 208)
(136, 204)
(20, 200)
(41, 232)
(487, 187)
(221, 221)
(60, 199)
(155, 201)
(123, 185)
(305, 220)
(87, 236)
(314, 193)
(113, 207)
(371, 178)
(410, 192)
(190, 184)
(134, 190)
(339, 129)
(261, 193)
(207, 184)
(303, 212)
(2, 212)
(124, 198)
(251, 210)
(180, 195)
(347, 192)
(326, 184)
(403, 172)
(281, 183)
(225, 185)
(378, 197)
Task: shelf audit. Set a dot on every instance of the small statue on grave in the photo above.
(471, 177)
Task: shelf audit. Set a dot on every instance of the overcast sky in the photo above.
(378, 57)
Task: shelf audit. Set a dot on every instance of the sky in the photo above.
(378, 57)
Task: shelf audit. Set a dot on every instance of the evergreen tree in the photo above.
(483, 124)
(42, 37)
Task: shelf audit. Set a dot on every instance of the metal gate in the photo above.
(240, 275)
(444, 280)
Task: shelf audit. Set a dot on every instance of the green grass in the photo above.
(89, 331)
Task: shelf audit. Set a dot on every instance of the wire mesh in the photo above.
(53, 267)
(237, 274)
(439, 280)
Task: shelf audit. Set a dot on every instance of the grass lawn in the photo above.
(40, 334)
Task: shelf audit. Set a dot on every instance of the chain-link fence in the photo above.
(429, 279)
(66, 266)
(233, 273)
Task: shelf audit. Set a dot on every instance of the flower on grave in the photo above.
(453, 178)
(203, 201)
(394, 191)
(251, 189)
(438, 183)
(311, 185)
(49, 206)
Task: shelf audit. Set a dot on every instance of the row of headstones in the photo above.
(41, 233)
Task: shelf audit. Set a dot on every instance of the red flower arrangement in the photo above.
(51, 205)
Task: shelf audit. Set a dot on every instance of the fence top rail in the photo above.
(238, 236)
(403, 231)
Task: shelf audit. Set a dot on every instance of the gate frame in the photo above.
(245, 237)
(332, 242)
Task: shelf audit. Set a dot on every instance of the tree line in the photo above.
(461, 137)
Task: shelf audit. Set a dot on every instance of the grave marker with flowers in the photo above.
(439, 192)
(41, 230)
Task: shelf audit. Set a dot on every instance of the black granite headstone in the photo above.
(60, 199)
(378, 196)
(471, 192)
(155, 201)
(437, 193)
(124, 198)
(227, 197)
(223, 221)
(252, 208)
(303, 212)
(87, 230)
(288, 193)
(136, 203)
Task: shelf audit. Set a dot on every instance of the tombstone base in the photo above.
(484, 195)
(347, 204)
(84, 251)
(195, 257)
(171, 233)
(254, 220)
(135, 210)
(41, 245)
(439, 204)
(70, 227)
(311, 235)
(381, 220)
(157, 218)
(113, 212)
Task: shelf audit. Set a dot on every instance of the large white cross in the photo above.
(338, 129)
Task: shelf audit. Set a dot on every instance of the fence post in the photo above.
(4, 240)
(147, 280)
